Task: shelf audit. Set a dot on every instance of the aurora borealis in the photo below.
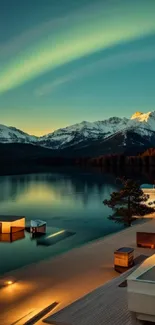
(62, 62)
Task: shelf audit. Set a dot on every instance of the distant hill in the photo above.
(17, 158)
(20, 151)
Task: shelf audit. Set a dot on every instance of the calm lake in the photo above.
(71, 201)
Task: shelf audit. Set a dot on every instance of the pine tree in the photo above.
(128, 202)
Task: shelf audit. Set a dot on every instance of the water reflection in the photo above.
(54, 187)
(11, 237)
(71, 201)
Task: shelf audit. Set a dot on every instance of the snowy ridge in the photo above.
(82, 134)
(13, 135)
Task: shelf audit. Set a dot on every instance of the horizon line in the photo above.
(70, 125)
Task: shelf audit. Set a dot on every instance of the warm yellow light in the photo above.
(9, 282)
(56, 234)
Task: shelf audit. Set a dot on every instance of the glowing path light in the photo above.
(56, 234)
(83, 36)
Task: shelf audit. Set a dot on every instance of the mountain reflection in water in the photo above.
(71, 201)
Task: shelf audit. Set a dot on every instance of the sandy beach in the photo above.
(65, 278)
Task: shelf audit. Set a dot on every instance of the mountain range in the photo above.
(110, 136)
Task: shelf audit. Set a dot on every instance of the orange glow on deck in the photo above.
(9, 282)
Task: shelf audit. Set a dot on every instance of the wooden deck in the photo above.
(106, 305)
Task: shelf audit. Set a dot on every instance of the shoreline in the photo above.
(138, 221)
(87, 245)
(93, 241)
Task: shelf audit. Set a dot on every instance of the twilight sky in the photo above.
(65, 61)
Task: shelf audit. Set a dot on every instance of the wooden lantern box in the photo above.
(123, 258)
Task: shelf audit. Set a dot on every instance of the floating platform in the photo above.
(54, 237)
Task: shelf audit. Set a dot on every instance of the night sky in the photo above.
(65, 61)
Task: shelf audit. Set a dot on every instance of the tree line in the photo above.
(147, 159)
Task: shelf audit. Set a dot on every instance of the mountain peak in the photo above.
(141, 117)
(81, 135)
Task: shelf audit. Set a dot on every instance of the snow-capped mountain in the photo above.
(109, 136)
(83, 132)
(144, 122)
(13, 135)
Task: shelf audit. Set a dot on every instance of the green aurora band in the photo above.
(81, 36)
